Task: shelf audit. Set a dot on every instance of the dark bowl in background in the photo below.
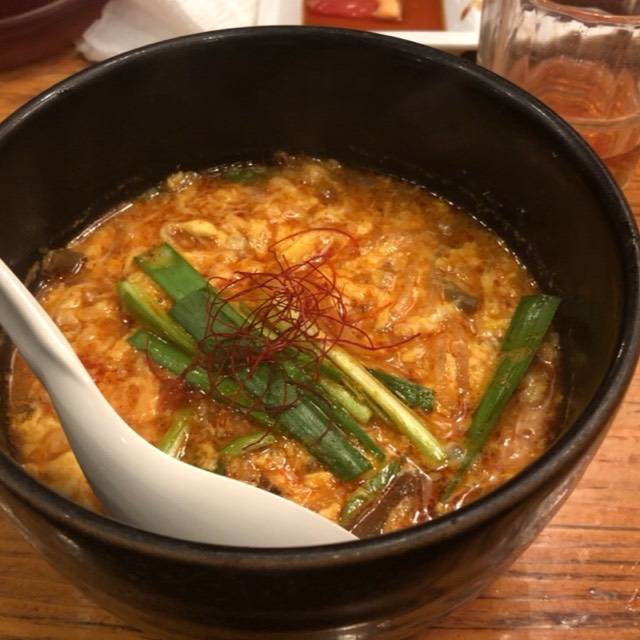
(33, 29)
(111, 131)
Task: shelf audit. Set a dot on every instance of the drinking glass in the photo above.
(582, 58)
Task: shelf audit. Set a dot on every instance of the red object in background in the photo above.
(33, 29)
(416, 15)
(344, 8)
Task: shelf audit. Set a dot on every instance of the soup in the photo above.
(331, 335)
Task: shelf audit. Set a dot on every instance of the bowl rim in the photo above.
(585, 430)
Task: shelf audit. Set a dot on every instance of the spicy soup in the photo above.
(315, 280)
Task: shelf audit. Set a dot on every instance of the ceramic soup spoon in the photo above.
(137, 483)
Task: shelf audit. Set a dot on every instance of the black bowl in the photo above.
(117, 128)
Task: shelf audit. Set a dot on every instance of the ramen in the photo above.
(343, 339)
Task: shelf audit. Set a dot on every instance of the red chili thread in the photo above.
(303, 309)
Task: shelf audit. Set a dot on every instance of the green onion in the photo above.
(357, 409)
(327, 369)
(298, 363)
(175, 438)
(171, 358)
(302, 421)
(168, 357)
(245, 444)
(368, 491)
(165, 266)
(200, 310)
(298, 366)
(388, 406)
(402, 417)
(194, 313)
(526, 332)
(197, 303)
(305, 360)
(335, 411)
(310, 425)
(200, 313)
(168, 269)
(306, 422)
(346, 423)
(152, 315)
(412, 393)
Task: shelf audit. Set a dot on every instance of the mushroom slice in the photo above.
(62, 263)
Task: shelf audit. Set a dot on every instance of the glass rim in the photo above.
(589, 14)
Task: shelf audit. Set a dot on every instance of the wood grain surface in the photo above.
(580, 579)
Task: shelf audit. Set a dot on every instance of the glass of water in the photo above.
(580, 57)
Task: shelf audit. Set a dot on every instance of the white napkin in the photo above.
(127, 24)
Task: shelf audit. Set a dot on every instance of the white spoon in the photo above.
(137, 483)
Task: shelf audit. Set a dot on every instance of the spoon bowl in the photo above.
(136, 482)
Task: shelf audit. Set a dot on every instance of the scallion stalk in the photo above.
(525, 334)
(411, 393)
(302, 420)
(368, 491)
(402, 417)
(198, 304)
(149, 312)
(175, 438)
(167, 268)
(248, 173)
(245, 444)
(169, 357)
(387, 405)
(348, 425)
(201, 311)
(341, 418)
(305, 421)
(357, 409)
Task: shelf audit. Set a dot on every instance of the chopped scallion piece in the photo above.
(302, 421)
(175, 438)
(357, 409)
(402, 417)
(165, 266)
(412, 393)
(143, 307)
(368, 491)
(333, 409)
(307, 422)
(529, 324)
(179, 363)
(245, 444)
(348, 425)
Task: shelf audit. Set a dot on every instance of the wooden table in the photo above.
(581, 578)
